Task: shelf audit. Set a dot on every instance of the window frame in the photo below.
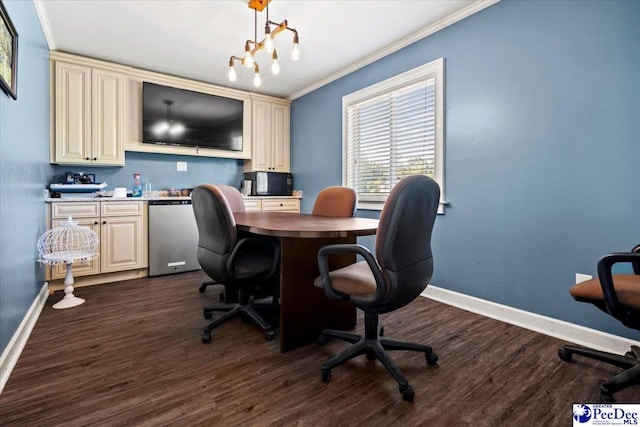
(433, 69)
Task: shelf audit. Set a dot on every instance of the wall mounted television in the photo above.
(182, 117)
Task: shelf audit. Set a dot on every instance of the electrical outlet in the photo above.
(582, 277)
(181, 167)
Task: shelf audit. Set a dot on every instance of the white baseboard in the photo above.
(545, 325)
(11, 354)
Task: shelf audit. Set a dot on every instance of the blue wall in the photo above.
(542, 148)
(161, 171)
(24, 171)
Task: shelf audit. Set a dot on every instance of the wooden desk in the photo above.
(304, 309)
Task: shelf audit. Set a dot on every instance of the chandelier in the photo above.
(252, 47)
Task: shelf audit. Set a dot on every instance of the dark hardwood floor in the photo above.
(132, 355)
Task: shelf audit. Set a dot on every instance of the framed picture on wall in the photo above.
(8, 54)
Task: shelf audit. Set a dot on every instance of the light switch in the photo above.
(182, 167)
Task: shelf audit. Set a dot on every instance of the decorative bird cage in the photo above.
(66, 244)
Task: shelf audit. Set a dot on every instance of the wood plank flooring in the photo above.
(132, 355)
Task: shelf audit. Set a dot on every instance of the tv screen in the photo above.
(182, 117)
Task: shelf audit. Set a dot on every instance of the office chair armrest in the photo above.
(636, 265)
(247, 241)
(606, 278)
(323, 266)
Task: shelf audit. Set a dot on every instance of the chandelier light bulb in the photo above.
(248, 57)
(275, 67)
(295, 52)
(268, 43)
(248, 60)
(257, 81)
(232, 74)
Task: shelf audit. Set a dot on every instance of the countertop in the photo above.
(146, 199)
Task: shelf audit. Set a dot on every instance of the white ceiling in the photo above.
(195, 38)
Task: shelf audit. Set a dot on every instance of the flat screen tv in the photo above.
(175, 116)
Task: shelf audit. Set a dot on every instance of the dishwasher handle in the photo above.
(169, 202)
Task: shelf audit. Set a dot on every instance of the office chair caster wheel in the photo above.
(202, 288)
(206, 337)
(630, 354)
(432, 358)
(269, 335)
(221, 297)
(208, 314)
(564, 354)
(322, 339)
(326, 374)
(407, 393)
(381, 331)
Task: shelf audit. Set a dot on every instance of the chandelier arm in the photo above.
(281, 27)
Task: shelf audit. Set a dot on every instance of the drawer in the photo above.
(281, 205)
(252, 205)
(75, 209)
(122, 208)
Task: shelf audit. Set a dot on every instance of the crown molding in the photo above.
(44, 23)
(443, 23)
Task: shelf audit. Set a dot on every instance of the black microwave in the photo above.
(270, 183)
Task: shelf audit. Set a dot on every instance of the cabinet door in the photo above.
(107, 117)
(86, 268)
(252, 205)
(121, 246)
(73, 114)
(261, 136)
(280, 138)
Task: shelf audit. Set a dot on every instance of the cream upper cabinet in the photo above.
(87, 115)
(270, 136)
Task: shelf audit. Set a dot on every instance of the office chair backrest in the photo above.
(403, 240)
(217, 233)
(336, 202)
(233, 196)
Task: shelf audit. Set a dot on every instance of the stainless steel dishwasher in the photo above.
(173, 237)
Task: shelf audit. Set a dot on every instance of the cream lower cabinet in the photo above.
(271, 204)
(122, 237)
(121, 228)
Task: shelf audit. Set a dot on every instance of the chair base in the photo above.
(374, 345)
(246, 311)
(630, 361)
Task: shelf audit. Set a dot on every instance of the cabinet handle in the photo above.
(104, 222)
(280, 204)
(95, 158)
(87, 158)
(95, 223)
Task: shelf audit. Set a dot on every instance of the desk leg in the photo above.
(304, 309)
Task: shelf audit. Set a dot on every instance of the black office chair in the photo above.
(245, 265)
(402, 271)
(619, 296)
(236, 203)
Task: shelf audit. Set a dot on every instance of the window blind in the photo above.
(389, 137)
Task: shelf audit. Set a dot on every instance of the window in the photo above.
(394, 129)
